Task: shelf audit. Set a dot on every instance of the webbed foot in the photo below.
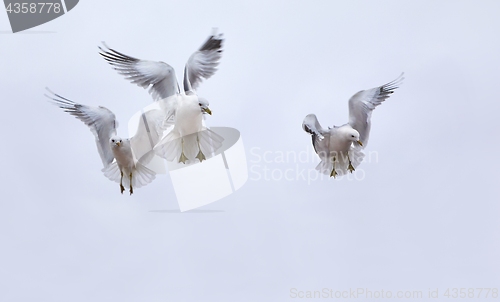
(183, 158)
(333, 173)
(350, 167)
(201, 157)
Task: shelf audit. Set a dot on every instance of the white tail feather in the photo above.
(356, 156)
(112, 172)
(141, 175)
(172, 145)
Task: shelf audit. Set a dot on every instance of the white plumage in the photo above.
(340, 148)
(182, 109)
(116, 153)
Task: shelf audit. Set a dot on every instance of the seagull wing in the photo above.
(362, 104)
(158, 76)
(101, 121)
(203, 63)
(312, 126)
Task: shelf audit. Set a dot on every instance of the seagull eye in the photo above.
(113, 140)
(352, 135)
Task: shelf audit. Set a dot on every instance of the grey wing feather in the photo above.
(312, 126)
(362, 104)
(101, 121)
(203, 63)
(159, 77)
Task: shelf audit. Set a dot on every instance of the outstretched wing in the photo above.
(362, 104)
(101, 121)
(312, 126)
(203, 63)
(158, 76)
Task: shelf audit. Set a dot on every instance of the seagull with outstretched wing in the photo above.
(189, 138)
(340, 147)
(119, 162)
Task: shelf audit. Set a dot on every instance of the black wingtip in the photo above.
(214, 42)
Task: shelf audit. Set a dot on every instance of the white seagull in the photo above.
(116, 153)
(189, 138)
(340, 147)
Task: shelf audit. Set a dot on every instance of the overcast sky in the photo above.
(422, 214)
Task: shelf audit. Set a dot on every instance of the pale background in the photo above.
(425, 215)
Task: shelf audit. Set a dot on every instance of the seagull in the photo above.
(189, 138)
(340, 147)
(116, 154)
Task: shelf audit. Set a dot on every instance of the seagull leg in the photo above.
(334, 173)
(183, 157)
(131, 189)
(350, 167)
(122, 188)
(201, 157)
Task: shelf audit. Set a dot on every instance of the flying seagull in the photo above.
(189, 138)
(116, 154)
(340, 147)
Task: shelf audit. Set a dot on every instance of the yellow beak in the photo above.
(118, 144)
(207, 110)
(360, 143)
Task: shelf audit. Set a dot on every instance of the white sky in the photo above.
(425, 215)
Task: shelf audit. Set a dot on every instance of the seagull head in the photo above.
(204, 106)
(353, 136)
(115, 141)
